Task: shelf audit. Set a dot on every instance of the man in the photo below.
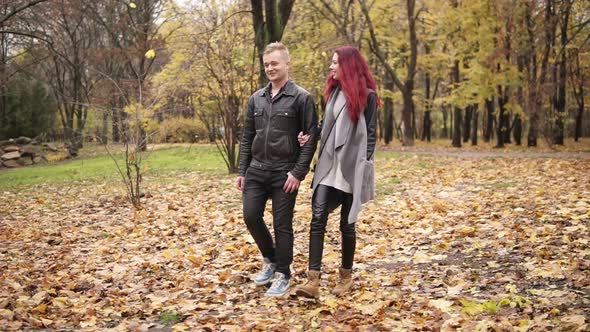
(272, 164)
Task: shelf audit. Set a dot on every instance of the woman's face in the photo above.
(335, 67)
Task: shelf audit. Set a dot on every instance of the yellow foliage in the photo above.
(180, 130)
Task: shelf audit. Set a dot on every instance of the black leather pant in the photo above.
(259, 186)
(325, 200)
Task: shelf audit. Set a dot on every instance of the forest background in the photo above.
(163, 71)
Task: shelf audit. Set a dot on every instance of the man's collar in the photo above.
(288, 89)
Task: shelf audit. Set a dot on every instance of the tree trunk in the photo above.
(116, 124)
(488, 130)
(458, 112)
(427, 121)
(517, 132)
(503, 118)
(427, 127)
(579, 116)
(408, 129)
(269, 18)
(467, 124)
(474, 125)
(104, 138)
(445, 112)
(388, 121)
(560, 98)
(536, 83)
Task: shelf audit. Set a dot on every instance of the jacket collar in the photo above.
(289, 89)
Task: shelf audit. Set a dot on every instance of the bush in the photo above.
(180, 130)
(31, 110)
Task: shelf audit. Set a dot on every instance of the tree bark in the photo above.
(457, 111)
(406, 87)
(445, 130)
(560, 98)
(517, 131)
(388, 121)
(467, 123)
(474, 125)
(537, 82)
(488, 130)
(269, 18)
(503, 118)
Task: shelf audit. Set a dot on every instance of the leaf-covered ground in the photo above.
(452, 243)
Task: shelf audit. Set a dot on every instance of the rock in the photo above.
(50, 147)
(26, 161)
(6, 142)
(10, 155)
(23, 140)
(10, 148)
(10, 163)
(31, 150)
(38, 160)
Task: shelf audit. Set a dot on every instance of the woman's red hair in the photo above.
(354, 78)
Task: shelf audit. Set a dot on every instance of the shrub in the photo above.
(181, 130)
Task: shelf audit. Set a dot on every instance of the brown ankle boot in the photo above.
(311, 288)
(345, 282)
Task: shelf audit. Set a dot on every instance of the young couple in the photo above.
(278, 144)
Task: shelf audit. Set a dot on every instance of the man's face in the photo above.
(276, 66)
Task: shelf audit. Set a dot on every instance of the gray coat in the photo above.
(358, 145)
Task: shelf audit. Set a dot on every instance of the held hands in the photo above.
(292, 184)
(240, 183)
(302, 139)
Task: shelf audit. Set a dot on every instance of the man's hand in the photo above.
(302, 139)
(291, 185)
(240, 183)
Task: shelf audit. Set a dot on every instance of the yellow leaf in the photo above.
(467, 231)
(42, 308)
(39, 297)
(443, 305)
(180, 327)
(332, 303)
(150, 54)
(132, 5)
(371, 309)
(471, 308)
(168, 254)
(197, 261)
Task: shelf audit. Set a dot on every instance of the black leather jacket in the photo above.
(269, 140)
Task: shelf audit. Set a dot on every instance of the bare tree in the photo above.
(269, 18)
(15, 8)
(407, 85)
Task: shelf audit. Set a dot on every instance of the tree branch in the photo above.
(19, 9)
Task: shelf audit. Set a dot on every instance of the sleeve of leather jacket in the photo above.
(371, 120)
(247, 137)
(310, 123)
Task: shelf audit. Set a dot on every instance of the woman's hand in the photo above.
(302, 139)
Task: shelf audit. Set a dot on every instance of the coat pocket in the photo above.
(285, 119)
(259, 118)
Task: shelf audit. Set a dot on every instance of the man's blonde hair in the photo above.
(277, 46)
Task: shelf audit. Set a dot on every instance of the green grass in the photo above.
(203, 158)
(170, 317)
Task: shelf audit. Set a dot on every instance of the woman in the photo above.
(344, 171)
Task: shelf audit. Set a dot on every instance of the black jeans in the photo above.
(325, 200)
(259, 186)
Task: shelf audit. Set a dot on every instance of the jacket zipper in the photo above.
(267, 130)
